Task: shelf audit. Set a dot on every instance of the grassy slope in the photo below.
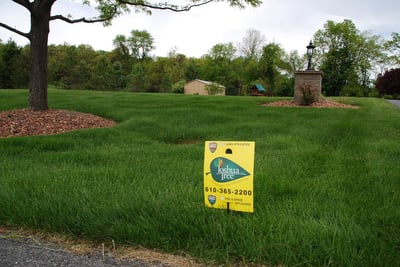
(327, 188)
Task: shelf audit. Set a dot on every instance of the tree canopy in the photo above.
(346, 56)
(251, 44)
(389, 83)
(41, 14)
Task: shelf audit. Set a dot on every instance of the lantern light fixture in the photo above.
(310, 53)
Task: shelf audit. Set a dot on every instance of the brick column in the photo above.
(307, 82)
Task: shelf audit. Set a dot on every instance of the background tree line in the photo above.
(351, 61)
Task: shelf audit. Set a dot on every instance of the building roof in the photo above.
(260, 88)
(208, 82)
(205, 82)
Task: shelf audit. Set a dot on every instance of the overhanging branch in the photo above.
(164, 7)
(114, 11)
(24, 34)
(24, 3)
(106, 19)
(85, 20)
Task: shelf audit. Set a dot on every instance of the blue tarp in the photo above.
(260, 88)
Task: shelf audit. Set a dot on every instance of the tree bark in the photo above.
(40, 27)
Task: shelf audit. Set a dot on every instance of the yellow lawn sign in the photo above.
(228, 175)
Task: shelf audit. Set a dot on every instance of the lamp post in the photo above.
(310, 52)
(308, 83)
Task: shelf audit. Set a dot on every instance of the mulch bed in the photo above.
(320, 104)
(23, 122)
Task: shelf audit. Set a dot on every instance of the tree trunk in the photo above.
(40, 21)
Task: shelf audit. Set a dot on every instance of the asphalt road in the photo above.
(31, 253)
(395, 102)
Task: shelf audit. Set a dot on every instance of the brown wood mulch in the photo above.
(321, 104)
(22, 122)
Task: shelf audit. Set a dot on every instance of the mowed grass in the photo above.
(326, 182)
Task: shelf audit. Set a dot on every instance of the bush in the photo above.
(373, 93)
(178, 87)
(352, 90)
(389, 83)
(308, 95)
(387, 96)
(214, 89)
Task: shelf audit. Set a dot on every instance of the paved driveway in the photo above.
(394, 102)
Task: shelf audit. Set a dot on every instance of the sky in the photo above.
(289, 23)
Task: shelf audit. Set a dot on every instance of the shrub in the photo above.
(178, 87)
(373, 93)
(308, 95)
(389, 83)
(214, 89)
(387, 96)
(352, 90)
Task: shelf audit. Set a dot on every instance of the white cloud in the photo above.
(289, 23)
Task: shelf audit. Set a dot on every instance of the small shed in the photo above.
(258, 90)
(199, 87)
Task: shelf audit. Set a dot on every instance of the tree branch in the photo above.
(24, 34)
(109, 17)
(85, 20)
(115, 9)
(165, 7)
(24, 3)
(129, 3)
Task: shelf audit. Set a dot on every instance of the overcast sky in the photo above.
(290, 23)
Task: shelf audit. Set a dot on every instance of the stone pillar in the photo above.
(307, 86)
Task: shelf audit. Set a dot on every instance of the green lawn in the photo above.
(326, 182)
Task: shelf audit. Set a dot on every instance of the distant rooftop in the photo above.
(260, 88)
(209, 83)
